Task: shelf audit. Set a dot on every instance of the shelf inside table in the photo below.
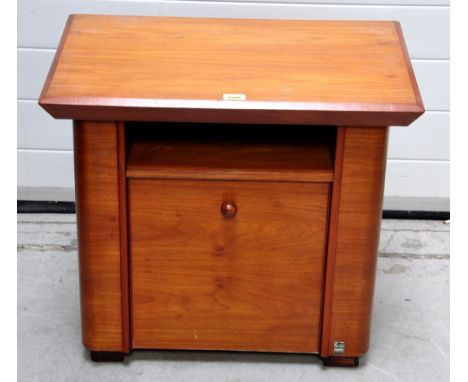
(183, 152)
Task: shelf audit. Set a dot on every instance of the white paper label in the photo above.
(234, 97)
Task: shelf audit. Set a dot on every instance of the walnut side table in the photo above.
(229, 178)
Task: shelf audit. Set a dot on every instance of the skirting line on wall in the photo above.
(48, 207)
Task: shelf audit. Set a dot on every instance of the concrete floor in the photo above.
(410, 332)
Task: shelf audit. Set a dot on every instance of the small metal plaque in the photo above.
(234, 97)
(338, 347)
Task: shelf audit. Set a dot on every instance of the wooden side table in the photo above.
(229, 178)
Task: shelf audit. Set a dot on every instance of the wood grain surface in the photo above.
(250, 282)
(122, 153)
(178, 69)
(307, 161)
(354, 237)
(332, 228)
(99, 230)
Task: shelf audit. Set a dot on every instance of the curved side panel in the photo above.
(354, 245)
(97, 206)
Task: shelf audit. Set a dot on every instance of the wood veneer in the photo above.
(332, 234)
(182, 159)
(178, 69)
(354, 238)
(122, 153)
(251, 282)
(99, 234)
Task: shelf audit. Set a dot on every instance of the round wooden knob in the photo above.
(228, 209)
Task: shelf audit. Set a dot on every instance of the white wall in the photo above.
(418, 158)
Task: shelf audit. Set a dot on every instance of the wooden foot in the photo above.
(107, 356)
(341, 361)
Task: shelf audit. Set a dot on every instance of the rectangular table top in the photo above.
(353, 73)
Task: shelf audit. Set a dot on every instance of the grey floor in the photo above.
(410, 331)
